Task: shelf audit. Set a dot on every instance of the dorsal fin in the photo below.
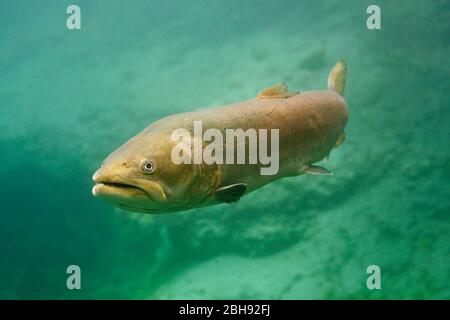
(279, 90)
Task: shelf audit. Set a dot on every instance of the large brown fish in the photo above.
(142, 176)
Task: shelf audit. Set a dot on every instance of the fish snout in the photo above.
(96, 176)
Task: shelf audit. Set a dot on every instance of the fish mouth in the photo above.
(116, 188)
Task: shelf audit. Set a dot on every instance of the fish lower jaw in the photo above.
(117, 190)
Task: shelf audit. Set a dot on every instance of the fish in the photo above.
(141, 175)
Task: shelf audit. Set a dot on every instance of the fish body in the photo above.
(309, 125)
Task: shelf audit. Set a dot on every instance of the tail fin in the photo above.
(336, 79)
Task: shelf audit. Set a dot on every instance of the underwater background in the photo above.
(70, 97)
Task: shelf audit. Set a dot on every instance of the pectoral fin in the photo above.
(316, 170)
(279, 90)
(231, 193)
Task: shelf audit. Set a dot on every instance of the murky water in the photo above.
(69, 97)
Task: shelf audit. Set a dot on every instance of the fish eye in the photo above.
(148, 166)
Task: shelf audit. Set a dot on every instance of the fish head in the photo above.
(140, 176)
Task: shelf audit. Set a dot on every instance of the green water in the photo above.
(70, 97)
